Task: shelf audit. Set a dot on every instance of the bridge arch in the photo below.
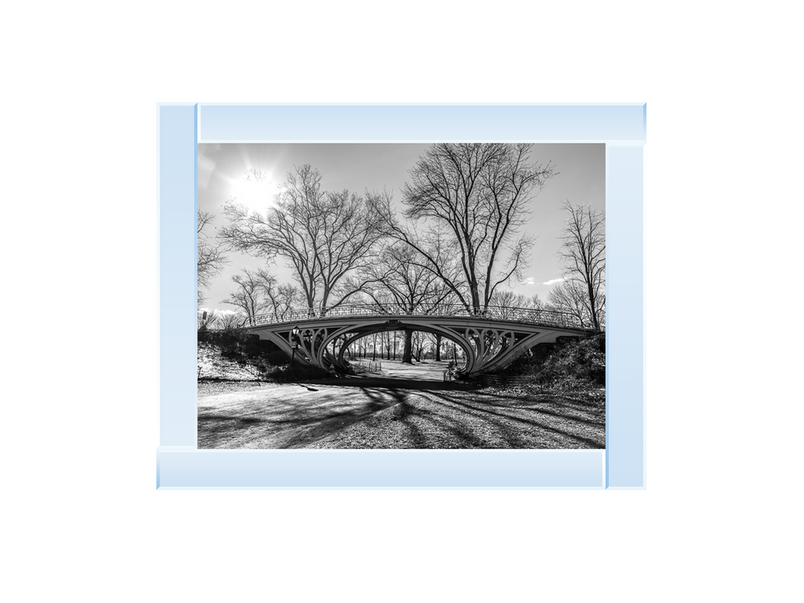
(489, 342)
(381, 327)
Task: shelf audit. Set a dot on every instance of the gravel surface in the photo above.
(214, 387)
(325, 415)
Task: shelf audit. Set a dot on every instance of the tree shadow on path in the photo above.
(289, 423)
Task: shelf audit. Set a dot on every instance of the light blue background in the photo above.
(183, 126)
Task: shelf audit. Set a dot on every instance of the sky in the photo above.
(222, 170)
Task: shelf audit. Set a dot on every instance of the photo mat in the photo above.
(620, 128)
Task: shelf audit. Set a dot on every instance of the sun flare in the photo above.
(255, 190)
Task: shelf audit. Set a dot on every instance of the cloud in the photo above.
(553, 281)
(529, 281)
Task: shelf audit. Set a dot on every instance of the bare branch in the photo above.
(210, 258)
(584, 256)
(481, 195)
(323, 236)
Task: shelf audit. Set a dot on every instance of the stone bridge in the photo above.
(489, 340)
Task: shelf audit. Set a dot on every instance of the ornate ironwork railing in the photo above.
(524, 315)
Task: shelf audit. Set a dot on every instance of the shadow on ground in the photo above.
(259, 421)
(368, 413)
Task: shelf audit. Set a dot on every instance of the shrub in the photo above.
(574, 364)
(244, 349)
(577, 363)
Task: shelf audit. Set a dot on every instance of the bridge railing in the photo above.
(525, 315)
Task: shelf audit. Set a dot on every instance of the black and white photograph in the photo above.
(475, 289)
(401, 296)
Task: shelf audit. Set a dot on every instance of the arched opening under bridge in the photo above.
(420, 354)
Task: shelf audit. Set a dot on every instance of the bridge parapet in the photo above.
(523, 315)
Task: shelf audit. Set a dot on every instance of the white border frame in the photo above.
(181, 465)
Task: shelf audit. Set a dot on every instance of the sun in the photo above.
(255, 190)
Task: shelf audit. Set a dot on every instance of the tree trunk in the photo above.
(438, 348)
(406, 354)
(593, 306)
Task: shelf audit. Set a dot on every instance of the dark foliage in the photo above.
(259, 354)
(569, 364)
(245, 349)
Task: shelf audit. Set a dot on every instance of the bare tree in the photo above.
(570, 298)
(504, 301)
(584, 257)
(405, 285)
(210, 257)
(207, 319)
(403, 282)
(535, 302)
(323, 236)
(230, 319)
(480, 195)
(248, 295)
(280, 299)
